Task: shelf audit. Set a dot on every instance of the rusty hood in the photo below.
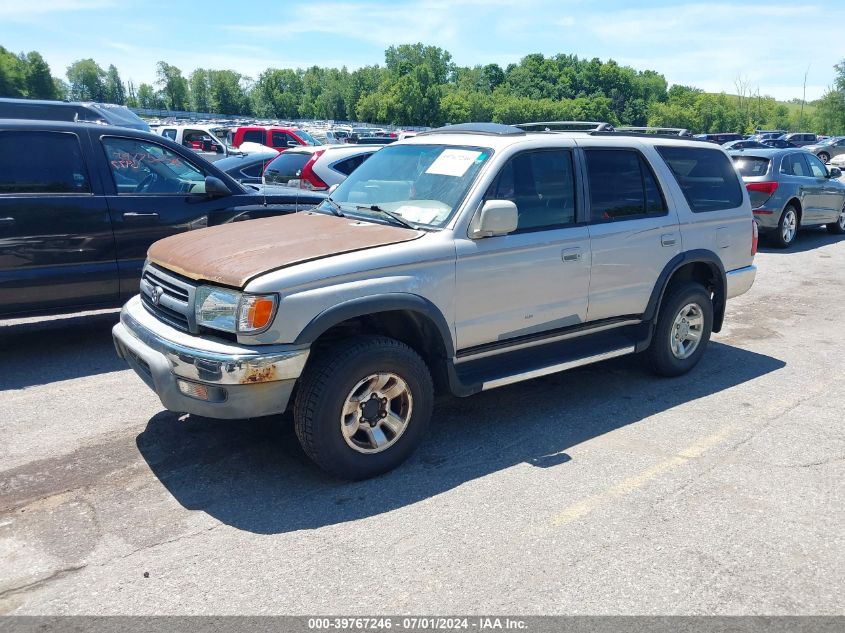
(232, 254)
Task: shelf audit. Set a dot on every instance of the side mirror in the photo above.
(293, 144)
(497, 217)
(834, 172)
(215, 188)
(331, 189)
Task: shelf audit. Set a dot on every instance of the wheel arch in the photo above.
(699, 265)
(406, 317)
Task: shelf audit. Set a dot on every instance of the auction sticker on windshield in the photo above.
(453, 162)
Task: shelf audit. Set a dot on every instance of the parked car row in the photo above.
(791, 189)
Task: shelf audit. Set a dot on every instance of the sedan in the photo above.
(791, 189)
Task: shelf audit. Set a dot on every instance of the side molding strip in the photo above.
(552, 369)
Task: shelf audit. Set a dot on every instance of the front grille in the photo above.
(169, 297)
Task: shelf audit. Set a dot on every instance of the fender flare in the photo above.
(372, 305)
(680, 260)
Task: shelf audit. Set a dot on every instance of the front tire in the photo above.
(363, 406)
(682, 331)
(838, 227)
(787, 229)
(824, 157)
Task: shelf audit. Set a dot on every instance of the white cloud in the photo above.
(17, 10)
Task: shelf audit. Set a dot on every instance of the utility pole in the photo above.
(803, 99)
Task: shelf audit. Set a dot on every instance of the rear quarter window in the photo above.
(706, 177)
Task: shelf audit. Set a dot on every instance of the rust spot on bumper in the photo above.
(261, 374)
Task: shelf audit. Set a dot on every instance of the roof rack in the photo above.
(663, 131)
(566, 126)
(492, 129)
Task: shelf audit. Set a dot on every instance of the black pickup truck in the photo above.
(81, 203)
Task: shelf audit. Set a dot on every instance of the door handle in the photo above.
(131, 215)
(7, 221)
(667, 239)
(571, 254)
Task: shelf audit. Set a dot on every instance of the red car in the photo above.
(279, 138)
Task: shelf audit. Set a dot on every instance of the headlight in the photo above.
(233, 311)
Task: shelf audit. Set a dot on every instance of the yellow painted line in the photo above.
(634, 482)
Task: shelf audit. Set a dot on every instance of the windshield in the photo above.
(828, 141)
(305, 136)
(424, 184)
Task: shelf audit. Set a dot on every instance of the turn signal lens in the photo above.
(755, 237)
(256, 312)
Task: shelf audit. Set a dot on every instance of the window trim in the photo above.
(117, 192)
(589, 215)
(51, 194)
(575, 187)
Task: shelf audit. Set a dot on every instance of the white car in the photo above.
(206, 140)
(317, 167)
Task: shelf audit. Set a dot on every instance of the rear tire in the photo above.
(682, 331)
(838, 227)
(363, 406)
(787, 229)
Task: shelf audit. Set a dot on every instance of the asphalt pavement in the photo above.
(604, 490)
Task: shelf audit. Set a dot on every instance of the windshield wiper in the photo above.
(335, 208)
(393, 216)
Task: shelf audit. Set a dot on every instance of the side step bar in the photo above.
(553, 369)
(489, 372)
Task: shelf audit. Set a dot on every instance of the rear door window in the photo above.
(794, 165)
(706, 177)
(750, 166)
(286, 166)
(42, 162)
(254, 136)
(622, 186)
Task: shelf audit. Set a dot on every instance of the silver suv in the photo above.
(463, 259)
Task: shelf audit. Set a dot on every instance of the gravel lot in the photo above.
(602, 490)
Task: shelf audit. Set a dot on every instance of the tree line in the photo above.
(421, 85)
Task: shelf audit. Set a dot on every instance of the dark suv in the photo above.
(104, 113)
(81, 203)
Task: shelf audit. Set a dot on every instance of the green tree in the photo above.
(87, 81)
(37, 77)
(115, 91)
(148, 98)
(227, 92)
(173, 86)
(199, 90)
(277, 93)
(12, 75)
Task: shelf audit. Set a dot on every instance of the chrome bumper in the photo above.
(740, 280)
(206, 377)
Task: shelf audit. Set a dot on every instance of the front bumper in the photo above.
(211, 378)
(740, 280)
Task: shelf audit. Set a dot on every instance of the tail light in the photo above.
(755, 237)
(310, 180)
(759, 192)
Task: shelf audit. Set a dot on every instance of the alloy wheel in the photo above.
(686, 331)
(376, 413)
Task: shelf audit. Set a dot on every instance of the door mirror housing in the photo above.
(834, 172)
(497, 217)
(215, 188)
(293, 144)
(331, 189)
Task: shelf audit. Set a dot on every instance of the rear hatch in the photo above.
(755, 174)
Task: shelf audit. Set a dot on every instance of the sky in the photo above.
(767, 45)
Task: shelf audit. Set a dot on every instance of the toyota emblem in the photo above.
(156, 294)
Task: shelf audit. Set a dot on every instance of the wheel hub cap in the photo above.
(376, 412)
(686, 331)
